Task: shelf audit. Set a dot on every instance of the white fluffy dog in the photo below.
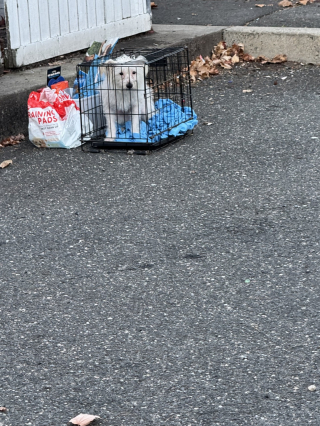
(125, 94)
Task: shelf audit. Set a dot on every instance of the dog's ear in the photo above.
(143, 61)
(104, 69)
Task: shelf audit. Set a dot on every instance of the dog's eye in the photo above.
(121, 73)
(134, 72)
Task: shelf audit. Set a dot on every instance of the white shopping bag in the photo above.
(54, 120)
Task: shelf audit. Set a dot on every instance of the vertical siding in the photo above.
(63, 16)
(118, 10)
(34, 20)
(73, 15)
(92, 14)
(44, 21)
(100, 12)
(54, 17)
(23, 15)
(126, 9)
(83, 14)
(12, 9)
(62, 22)
(109, 11)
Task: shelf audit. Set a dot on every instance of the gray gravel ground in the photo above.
(210, 12)
(235, 12)
(298, 17)
(180, 288)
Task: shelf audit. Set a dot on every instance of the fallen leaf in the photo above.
(193, 75)
(262, 59)
(235, 59)
(285, 3)
(5, 164)
(260, 5)
(83, 419)
(279, 59)
(214, 71)
(226, 65)
(225, 57)
(247, 90)
(3, 409)
(12, 140)
(303, 2)
(248, 58)
(153, 4)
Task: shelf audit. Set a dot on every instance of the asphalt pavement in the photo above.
(180, 288)
(236, 12)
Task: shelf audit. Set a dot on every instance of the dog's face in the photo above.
(126, 76)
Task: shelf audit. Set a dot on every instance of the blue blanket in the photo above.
(169, 120)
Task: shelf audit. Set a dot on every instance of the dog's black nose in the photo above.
(129, 86)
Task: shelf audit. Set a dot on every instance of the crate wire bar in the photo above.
(137, 100)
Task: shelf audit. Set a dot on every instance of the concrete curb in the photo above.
(299, 44)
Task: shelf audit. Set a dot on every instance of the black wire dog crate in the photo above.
(137, 99)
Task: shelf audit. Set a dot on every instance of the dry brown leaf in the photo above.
(262, 59)
(153, 4)
(83, 419)
(279, 59)
(3, 409)
(285, 3)
(203, 71)
(12, 140)
(226, 57)
(218, 50)
(260, 5)
(214, 71)
(235, 59)
(5, 164)
(226, 65)
(303, 2)
(193, 75)
(248, 58)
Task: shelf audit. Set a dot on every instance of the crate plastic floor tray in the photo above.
(137, 146)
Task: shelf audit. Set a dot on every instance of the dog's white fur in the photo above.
(125, 95)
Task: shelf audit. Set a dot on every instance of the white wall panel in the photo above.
(12, 9)
(54, 18)
(23, 14)
(109, 11)
(73, 15)
(42, 29)
(44, 20)
(92, 14)
(83, 14)
(34, 20)
(118, 10)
